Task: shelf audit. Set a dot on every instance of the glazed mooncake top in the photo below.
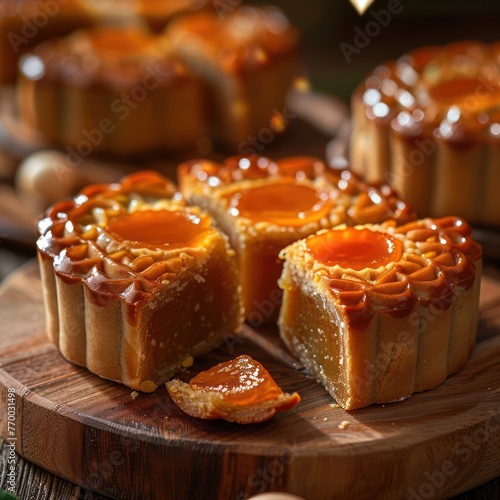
(126, 239)
(118, 56)
(389, 268)
(136, 9)
(244, 38)
(452, 92)
(293, 191)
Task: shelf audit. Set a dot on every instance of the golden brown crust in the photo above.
(237, 55)
(101, 89)
(111, 56)
(211, 405)
(244, 40)
(356, 202)
(436, 90)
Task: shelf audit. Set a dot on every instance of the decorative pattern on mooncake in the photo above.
(428, 123)
(264, 205)
(377, 312)
(134, 281)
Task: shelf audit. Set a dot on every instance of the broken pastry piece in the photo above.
(377, 312)
(134, 282)
(240, 390)
(264, 205)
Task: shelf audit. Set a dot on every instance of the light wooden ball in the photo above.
(45, 177)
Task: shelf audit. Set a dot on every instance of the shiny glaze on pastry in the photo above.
(377, 312)
(239, 390)
(418, 261)
(264, 205)
(123, 239)
(297, 190)
(117, 56)
(451, 93)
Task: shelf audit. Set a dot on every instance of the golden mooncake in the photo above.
(249, 59)
(377, 312)
(428, 124)
(135, 283)
(116, 90)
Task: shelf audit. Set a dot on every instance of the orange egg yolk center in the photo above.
(283, 203)
(355, 249)
(159, 229)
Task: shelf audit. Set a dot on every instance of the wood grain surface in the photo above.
(93, 433)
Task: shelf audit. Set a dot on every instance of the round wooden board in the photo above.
(93, 433)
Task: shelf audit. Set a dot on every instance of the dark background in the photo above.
(325, 24)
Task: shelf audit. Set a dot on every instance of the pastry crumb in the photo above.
(134, 394)
(343, 424)
(148, 386)
(187, 362)
(334, 405)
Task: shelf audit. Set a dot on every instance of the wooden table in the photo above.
(34, 482)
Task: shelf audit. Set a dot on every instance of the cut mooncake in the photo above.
(119, 88)
(378, 312)
(134, 282)
(264, 205)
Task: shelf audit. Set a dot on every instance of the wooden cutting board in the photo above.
(93, 433)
